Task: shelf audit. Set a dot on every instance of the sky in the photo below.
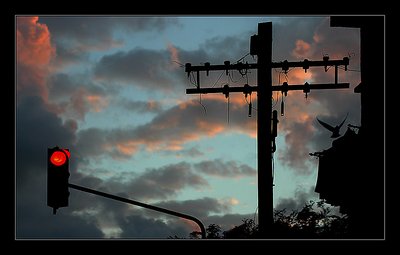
(112, 89)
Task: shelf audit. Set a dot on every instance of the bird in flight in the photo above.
(334, 130)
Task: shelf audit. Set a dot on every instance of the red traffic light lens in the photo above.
(58, 158)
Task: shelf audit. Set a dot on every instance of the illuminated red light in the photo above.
(67, 152)
(58, 158)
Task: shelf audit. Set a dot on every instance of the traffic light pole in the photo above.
(151, 207)
(264, 88)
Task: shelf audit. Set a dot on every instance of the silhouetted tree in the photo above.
(213, 231)
(314, 220)
(195, 235)
(246, 230)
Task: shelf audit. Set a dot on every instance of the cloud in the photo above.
(154, 183)
(36, 76)
(169, 130)
(302, 133)
(39, 126)
(302, 49)
(299, 133)
(124, 221)
(140, 106)
(299, 200)
(191, 152)
(161, 183)
(96, 33)
(75, 37)
(159, 69)
(36, 130)
(75, 95)
(99, 217)
(228, 221)
(173, 51)
(221, 48)
(137, 226)
(145, 68)
(200, 208)
(151, 224)
(34, 54)
(31, 216)
(230, 169)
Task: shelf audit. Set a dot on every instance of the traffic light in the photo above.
(57, 177)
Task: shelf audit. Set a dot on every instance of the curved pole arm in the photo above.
(151, 207)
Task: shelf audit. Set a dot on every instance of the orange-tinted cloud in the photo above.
(170, 130)
(80, 102)
(174, 56)
(34, 53)
(96, 102)
(298, 76)
(302, 49)
(298, 126)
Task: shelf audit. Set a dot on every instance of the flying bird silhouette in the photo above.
(334, 130)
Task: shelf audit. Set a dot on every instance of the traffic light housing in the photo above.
(57, 177)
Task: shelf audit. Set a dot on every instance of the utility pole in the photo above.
(261, 45)
(264, 111)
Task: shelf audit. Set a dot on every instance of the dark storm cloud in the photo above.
(36, 221)
(36, 130)
(137, 226)
(223, 169)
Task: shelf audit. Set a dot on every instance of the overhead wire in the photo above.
(351, 70)
(218, 79)
(180, 64)
(204, 107)
(243, 57)
(192, 80)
